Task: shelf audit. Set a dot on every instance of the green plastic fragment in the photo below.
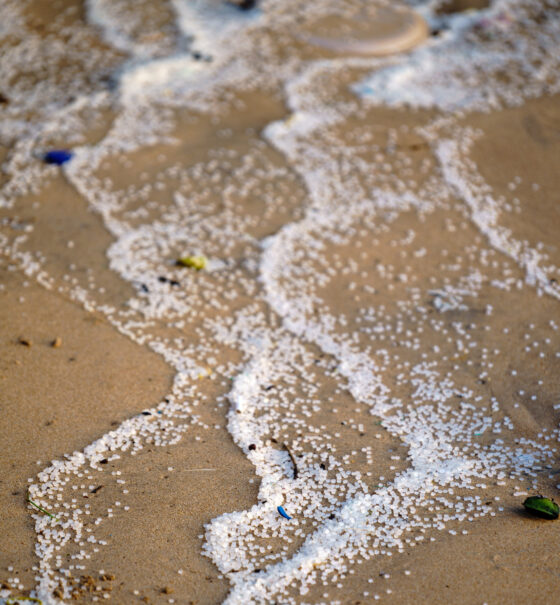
(193, 262)
(542, 507)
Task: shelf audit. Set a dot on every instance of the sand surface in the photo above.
(162, 413)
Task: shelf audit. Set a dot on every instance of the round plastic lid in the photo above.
(368, 32)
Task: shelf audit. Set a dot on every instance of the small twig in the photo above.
(40, 508)
(296, 472)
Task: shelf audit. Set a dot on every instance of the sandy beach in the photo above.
(283, 327)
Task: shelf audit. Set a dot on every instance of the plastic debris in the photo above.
(281, 510)
(193, 262)
(244, 5)
(542, 507)
(58, 156)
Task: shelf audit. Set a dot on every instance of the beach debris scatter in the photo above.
(371, 271)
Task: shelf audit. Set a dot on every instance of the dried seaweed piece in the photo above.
(293, 460)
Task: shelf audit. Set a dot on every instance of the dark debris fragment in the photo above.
(542, 507)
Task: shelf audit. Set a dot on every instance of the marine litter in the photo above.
(301, 266)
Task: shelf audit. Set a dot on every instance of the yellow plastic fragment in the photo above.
(289, 121)
(193, 262)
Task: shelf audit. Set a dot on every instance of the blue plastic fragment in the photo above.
(281, 510)
(58, 156)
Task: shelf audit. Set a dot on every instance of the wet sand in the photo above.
(55, 399)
